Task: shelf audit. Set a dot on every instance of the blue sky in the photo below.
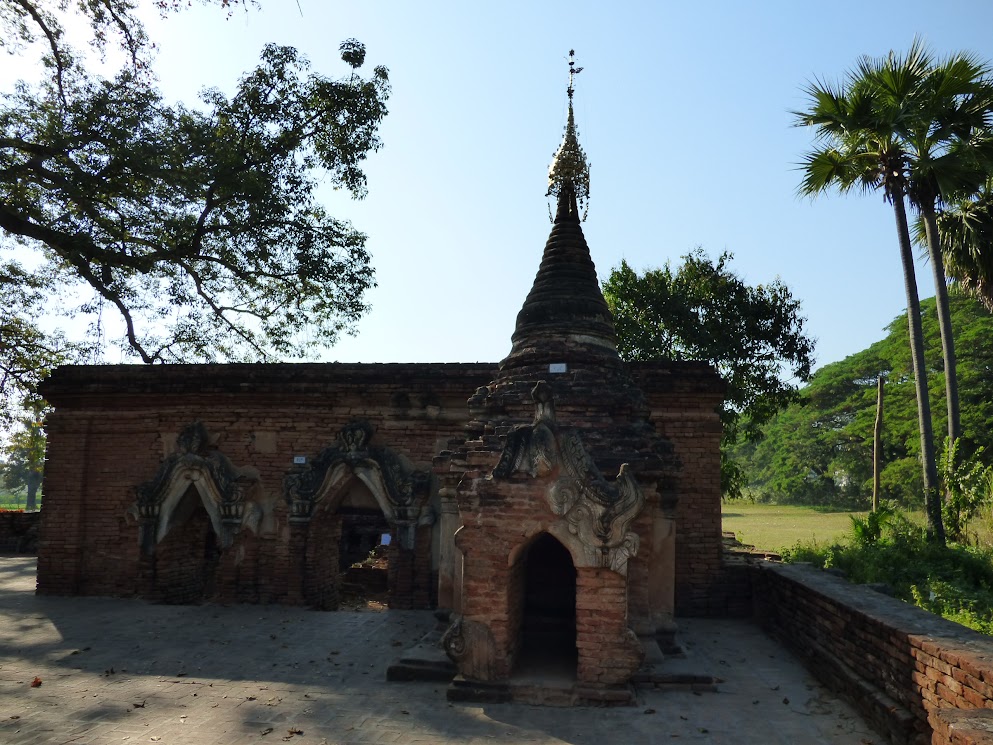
(683, 110)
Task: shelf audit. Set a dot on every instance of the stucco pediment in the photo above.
(399, 489)
(226, 491)
(594, 513)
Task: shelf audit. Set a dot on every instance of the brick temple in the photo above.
(560, 508)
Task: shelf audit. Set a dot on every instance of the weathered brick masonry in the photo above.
(113, 427)
(19, 531)
(562, 506)
(683, 399)
(919, 678)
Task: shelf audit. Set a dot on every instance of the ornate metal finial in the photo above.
(573, 72)
(569, 174)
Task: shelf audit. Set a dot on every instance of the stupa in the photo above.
(563, 493)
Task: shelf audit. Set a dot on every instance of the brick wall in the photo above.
(19, 532)
(113, 426)
(608, 651)
(906, 670)
(684, 398)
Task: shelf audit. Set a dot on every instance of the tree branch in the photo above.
(53, 41)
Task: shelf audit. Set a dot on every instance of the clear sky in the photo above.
(683, 110)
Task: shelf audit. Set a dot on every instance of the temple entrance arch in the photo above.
(188, 552)
(188, 487)
(338, 501)
(345, 530)
(188, 514)
(365, 526)
(546, 586)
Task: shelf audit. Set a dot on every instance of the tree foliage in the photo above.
(23, 456)
(965, 228)
(819, 449)
(702, 310)
(27, 353)
(913, 128)
(198, 227)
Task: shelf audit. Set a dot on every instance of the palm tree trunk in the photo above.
(932, 503)
(944, 322)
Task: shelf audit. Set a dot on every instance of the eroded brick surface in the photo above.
(906, 669)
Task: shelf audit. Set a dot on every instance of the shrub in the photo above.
(954, 581)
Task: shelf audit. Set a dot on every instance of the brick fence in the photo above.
(19, 532)
(917, 677)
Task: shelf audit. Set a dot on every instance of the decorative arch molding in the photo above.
(594, 515)
(400, 490)
(224, 490)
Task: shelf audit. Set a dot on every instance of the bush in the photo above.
(954, 581)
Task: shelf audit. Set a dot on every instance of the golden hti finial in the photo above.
(573, 72)
(569, 174)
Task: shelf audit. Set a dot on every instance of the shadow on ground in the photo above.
(119, 670)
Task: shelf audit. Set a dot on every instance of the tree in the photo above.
(861, 144)
(943, 119)
(702, 310)
(24, 457)
(27, 354)
(199, 228)
(819, 449)
(965, 229)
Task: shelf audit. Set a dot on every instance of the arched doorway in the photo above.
(187, 556)
(364, 550)
(548, 622)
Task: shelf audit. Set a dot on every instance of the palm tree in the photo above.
(860, 145)
(944, 126)
(965, 229)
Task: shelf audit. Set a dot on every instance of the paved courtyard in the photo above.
(102, 670)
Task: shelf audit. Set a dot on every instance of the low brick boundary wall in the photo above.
(19, 532)
(963, 727)
(911, 674)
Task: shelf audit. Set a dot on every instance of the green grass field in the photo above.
(12, 500)
(772, 527)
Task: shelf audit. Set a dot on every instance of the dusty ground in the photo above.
(123, 671)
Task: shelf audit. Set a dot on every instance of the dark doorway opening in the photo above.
(364, 558)
(548, 625)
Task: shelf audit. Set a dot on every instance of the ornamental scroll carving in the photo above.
(470, 645)
(399, 489)
(595, 514)
(224, 489)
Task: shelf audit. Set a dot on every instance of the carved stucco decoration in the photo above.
(226, 491)
(470, 645)
(595, 514)
(399, 488)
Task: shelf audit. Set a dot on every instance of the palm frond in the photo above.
(966, 234)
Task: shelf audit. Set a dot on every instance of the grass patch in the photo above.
(773, 527)
(14, 500)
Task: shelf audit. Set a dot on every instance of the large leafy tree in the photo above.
(199, 228)
(24, 456)
(819, 449)
(27, 353)
(702, 310)
(894, 126)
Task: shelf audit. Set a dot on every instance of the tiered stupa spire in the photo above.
(565, 318)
